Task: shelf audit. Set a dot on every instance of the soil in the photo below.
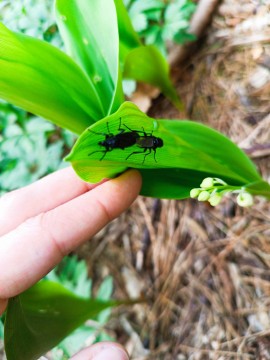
(203, 272)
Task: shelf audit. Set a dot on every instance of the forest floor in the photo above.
(204, 272)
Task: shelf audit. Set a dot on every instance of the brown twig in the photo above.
(258, 151)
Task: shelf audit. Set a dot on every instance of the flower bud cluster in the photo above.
(213, 190)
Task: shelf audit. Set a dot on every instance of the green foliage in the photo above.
(72, 274)
(87, 87)
(45, 81)
(59, 305)
(43, 316)
(29, 147)
(87, 43)
(32, 17)
(66, 91)
(190, 152)
(19, 164)
(159, 21)
(139, 66)
(89, 333)
(136, 60)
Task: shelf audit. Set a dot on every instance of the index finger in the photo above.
(43, 195)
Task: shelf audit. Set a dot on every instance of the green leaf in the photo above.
(41, 317)
(259, 188)
(146, 64)
(43, 80)
(190, 152)
(90, 33)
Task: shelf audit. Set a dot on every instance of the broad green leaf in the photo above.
(190, 152)
(259, 188)
(41, 317)
(147, 64)
(90, 33)
(43, 80)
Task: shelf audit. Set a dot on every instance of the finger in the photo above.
(36, 246)
(43, 195)
(102, 351)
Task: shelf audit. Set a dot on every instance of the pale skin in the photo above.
(43, 222)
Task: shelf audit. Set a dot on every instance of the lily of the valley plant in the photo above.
(81, 90)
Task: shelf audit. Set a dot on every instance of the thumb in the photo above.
(102, 351)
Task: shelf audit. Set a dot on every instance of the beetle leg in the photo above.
(129, 128)
(93, 152)
(137, 152)
(149, 152)
(99, 133)
(104, 153)
(155, 154)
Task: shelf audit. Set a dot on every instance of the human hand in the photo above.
(102, 351)
(43, 222)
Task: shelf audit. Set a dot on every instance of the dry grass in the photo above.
(204, 272)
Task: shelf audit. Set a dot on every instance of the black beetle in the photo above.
(147, 142)
(122, 140)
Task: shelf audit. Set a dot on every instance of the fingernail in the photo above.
(111, 353)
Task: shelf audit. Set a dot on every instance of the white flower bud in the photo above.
(194, 193)
(204, 195)
(215, 199)
(207, 183)
(219, 181)
(244, 199)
